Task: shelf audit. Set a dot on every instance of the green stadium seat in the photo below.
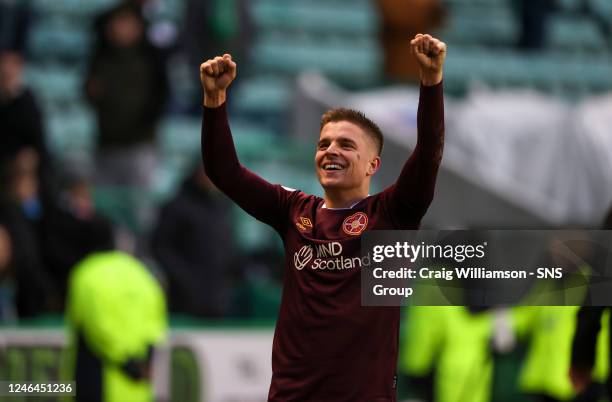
(71, 134)
(120, 205)
(58, 38)
(178, 143)
(251, 235)
(55, 83)
(553, 71)
(454, 4)
(77, 8)
(575, 33)
(321, 17)
(603, 8)
(484, 25)
(264, 299)
(569, 5)
(263, 94)
(348, 61)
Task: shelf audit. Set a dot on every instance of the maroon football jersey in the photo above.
(327, 347)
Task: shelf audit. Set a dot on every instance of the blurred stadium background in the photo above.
(529, 145)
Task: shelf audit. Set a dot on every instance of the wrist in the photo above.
(214, 99)
(429, 79)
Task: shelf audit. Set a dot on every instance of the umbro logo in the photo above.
(304, 224)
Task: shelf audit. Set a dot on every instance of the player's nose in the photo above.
(332, 149)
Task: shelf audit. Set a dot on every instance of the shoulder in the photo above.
(377, 209)
(297, 197)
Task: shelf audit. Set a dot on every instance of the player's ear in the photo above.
(373, 166)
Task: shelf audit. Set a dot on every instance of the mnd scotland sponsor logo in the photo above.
(328, 257)
(302, 257)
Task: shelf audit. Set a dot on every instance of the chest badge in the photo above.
(355, 224)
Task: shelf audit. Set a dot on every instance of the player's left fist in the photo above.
(430, 53)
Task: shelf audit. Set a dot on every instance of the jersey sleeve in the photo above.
(410, 196)
(264, 201)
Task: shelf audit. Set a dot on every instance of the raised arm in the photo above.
(413, 192)
(262, 200)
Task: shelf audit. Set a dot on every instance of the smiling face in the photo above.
(346, 158)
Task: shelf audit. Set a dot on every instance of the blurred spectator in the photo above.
(214, 27)
(68, 227)
(20, 116)
(193, 243)
(25, 289)
(116, 315)
(447, 353)
(585, 347)
(545, 371)
(589, 9)
(533, 15)
(550, 321)
(8, 308)
(15, 19)
(534, 18)
(102, 21)
(587, 351)
(127, 87)
(402, 20)
(60, 226)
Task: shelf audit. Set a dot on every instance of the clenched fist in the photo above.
(216, 76)
(430, 53)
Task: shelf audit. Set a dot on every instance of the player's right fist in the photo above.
(216, 76)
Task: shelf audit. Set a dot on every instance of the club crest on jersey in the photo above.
(355, 224)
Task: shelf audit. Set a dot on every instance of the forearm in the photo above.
(417, 181)
(430, 121)
(252, 193)
(218, 151)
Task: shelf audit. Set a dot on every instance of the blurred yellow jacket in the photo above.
(455, 344)
(116, 312)
(550, 330)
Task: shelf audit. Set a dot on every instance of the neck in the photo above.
(343, 199)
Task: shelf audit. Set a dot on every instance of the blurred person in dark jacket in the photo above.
(59, 224)
(15, 19)
(20, 117)
(25, 288)
(69, 223)
(533, 17)
(214, 27)
(193, 244)
(8, 308)
(584, 347)
(127, 87)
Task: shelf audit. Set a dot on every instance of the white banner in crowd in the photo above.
(537, 151)
(216, 365)
(546, 155)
